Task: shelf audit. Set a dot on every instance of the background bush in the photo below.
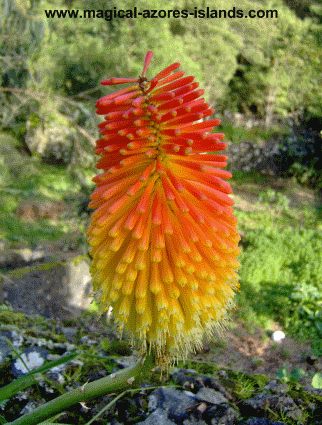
(266, 70)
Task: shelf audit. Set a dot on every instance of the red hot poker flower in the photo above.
(163, 236)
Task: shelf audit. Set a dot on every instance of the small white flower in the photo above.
(278, 336)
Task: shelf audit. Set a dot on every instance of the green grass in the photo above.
(264, 201)
(239, 134)
(26, 179)
(281, 260)
(28, 234)
(280, 279)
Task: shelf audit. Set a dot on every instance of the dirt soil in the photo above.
(255, 352)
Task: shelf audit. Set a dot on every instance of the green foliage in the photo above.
(25, 179)
(285, 376)
(244, 385)
(308, 175)
(202, 367)
(118, 348)
(317, 347)
(281, 278)
(317, 380)
(31, 377)
(269, 84)
(272, 197)
(11, 318)
(238, 134)
(252, 66)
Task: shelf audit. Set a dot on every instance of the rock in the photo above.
(316, 391)
(311, 359)
(159, 416)
(276, 387)
(124, 362)
(30, 359)
(5, 350)
(98, 408)
(130, 409)
(194, 421)
(223, 374)
(53, 289)
(221, 415)
(190, 383)
(211, 382)
(70, 333)
(176, 403)
(78, 281)
(210, 396)
(191, 371)
(56, 373)
(14, 258)
(260, 404)
(200, 410)
(29, 407)
(52, 357)
(60, 347)
(88, 341)
(15, 337)
(249, 156)
(259, 421)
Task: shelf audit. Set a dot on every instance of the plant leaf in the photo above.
(317, 380)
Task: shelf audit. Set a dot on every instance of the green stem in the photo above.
(118, 381)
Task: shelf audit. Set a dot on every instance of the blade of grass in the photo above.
(29, 379)
(2, 420)
(51, 421)
(114, 401)
(23, 362)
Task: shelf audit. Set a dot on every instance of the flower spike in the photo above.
(163, 235)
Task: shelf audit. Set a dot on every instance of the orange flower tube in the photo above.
(163, 235)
